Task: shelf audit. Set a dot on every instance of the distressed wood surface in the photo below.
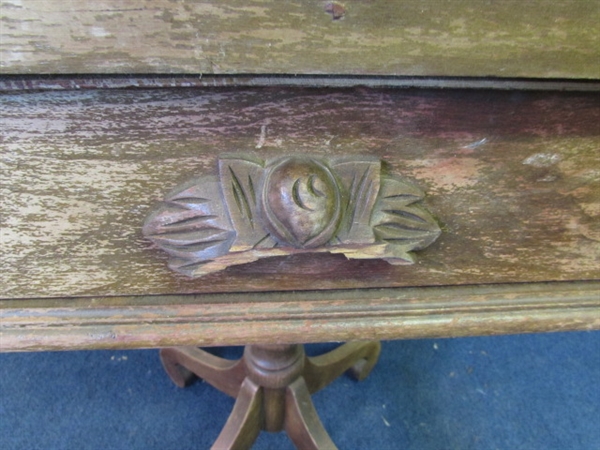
(512, 38)
(241, 319)
(290, 205)
(512, 178)
(21, 83)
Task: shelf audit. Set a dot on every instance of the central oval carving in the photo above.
(301, 202)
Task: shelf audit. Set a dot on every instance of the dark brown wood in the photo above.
(290, 205)
(395, 37)
(185, 363)
(302, 423)
(244, 424)
(270, 388)
(358, 360)
(274, 402)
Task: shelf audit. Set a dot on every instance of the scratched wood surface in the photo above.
(511, 38)
(307, 316)
(513, 179)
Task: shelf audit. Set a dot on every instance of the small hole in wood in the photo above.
(337, 10)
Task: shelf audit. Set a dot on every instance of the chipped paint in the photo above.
(542, 160)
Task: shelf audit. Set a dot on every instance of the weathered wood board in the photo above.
(513, 179)
(267, 318)
(511, 38)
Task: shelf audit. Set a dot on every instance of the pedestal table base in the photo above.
(272, 385)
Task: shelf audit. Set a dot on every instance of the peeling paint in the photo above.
(542, 160)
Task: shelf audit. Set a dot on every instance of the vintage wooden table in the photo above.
(267, 174)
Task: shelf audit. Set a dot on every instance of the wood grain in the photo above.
(241, 319)
(511, 38)
(21, 83)
(513, 179)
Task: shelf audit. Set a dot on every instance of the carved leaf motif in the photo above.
(361, 181)
(240, 180)
(398, 221)
(290, 205)
(191, 225)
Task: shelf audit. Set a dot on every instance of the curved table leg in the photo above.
(302, 423)
(185, 364)
(357, 357)
(279, 396)
(246, 420)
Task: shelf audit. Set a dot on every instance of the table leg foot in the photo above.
(358, 358)
(185, 364)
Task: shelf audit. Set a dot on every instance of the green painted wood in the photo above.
(511, 38)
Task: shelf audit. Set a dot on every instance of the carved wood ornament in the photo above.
(294, 204)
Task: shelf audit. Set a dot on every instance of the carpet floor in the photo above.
(529, 392)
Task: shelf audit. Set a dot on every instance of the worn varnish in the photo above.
(511, 38)
(512, 178)
(323, 316)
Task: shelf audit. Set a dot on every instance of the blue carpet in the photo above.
(506, 392)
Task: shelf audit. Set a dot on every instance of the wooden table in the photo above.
(510, 168)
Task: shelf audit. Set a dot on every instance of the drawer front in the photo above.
(535, 39)
(512, 178)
